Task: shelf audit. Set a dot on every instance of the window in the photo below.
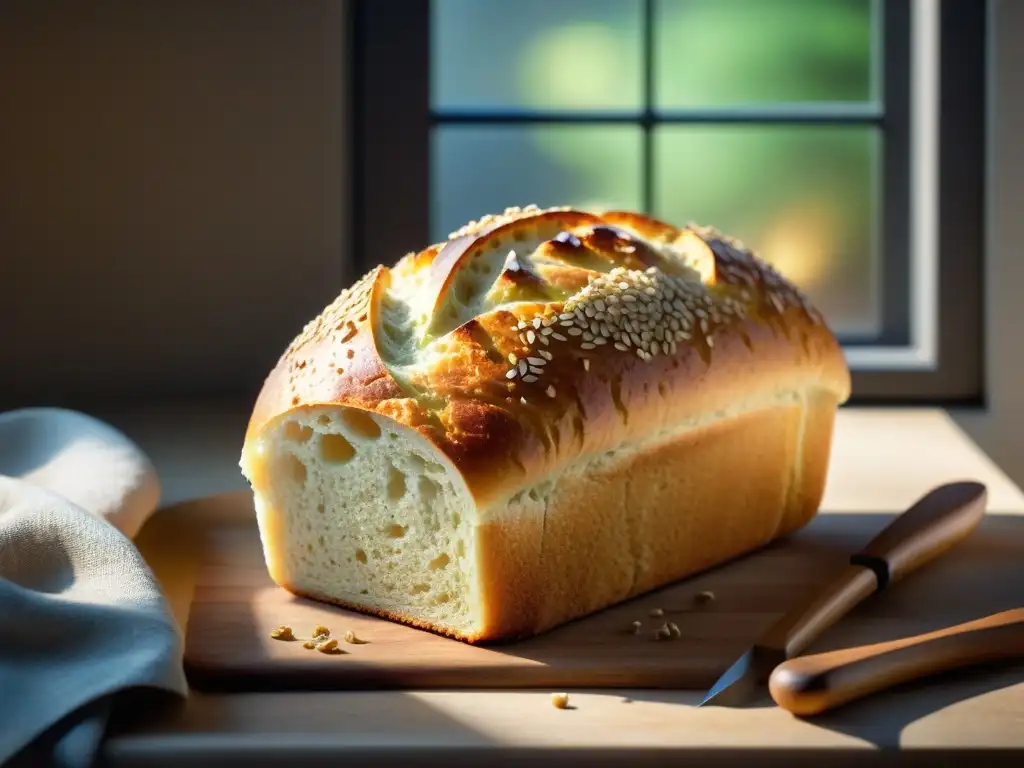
(841, 139)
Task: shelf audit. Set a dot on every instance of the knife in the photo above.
(937, 521)
(810, 685)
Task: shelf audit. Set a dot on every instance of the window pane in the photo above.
(735, 52)
(804, 197)
(536, 54)
(478, 170)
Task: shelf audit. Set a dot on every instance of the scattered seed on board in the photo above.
(673, 630)
(634, 627)
(320, 629)
(662, 633)
(350, 637)
(705, 597)
(284, 632)
(309, 645)
(657, 613)
(560, 700)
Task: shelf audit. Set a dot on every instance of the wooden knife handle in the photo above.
(938, 520)
(813, 684)
(941, 518)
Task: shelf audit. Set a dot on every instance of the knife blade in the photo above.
(940, 519)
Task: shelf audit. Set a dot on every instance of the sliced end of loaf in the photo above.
(358, 510)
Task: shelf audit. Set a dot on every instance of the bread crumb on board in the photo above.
(560, 700)
(657, 613)
(328, 646)
(321, 639)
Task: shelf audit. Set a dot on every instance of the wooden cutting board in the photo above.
(228, 645)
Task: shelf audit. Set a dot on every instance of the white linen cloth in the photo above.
(81, 616)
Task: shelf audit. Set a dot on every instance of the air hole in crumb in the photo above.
(439, 562)
(460, 549)
(464, 291)
(444, 597)
(418, 462)
(322, 540)
(396, 531)
(296, 432)
(456, 519)
(335, 449)
(428, 490)
(396, 484)
(323, 419)
(419, 589)
(362, 424)
(360, 556)
(321, 508)
(533, 495)
(295, 468)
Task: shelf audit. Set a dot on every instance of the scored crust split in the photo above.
(551, 412)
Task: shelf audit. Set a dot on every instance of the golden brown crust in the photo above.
(334, 359)
(641, 521)
(739, 329)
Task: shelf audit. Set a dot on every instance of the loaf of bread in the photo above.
(549, 413)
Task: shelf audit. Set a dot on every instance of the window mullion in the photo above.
(647, 118)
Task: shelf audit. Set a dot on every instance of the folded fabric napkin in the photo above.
(81, 615)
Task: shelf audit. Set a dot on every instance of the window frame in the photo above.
(392, 119)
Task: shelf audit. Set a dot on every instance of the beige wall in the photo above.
(171, 199)
(1000, 429)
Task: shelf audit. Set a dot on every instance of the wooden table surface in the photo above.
(883, 460)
